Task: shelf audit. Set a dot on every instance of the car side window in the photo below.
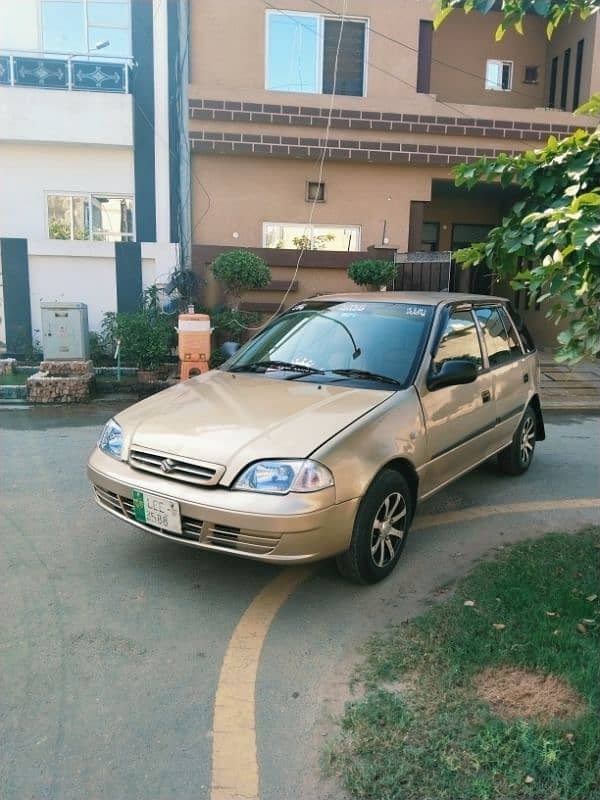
(513, 339)
(494, 335)
(459, 341)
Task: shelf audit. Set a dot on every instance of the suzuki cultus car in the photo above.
(320, 436)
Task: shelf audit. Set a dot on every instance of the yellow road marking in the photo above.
(234, 762)
(467, 514)
(235, 774)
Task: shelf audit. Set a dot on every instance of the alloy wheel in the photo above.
(388, 529)
(527, 440)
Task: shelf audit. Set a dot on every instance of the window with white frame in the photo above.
(77, 26)
(92, 217)
(298, 236)
(301, 54)
(498, 75)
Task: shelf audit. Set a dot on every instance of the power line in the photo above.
(416, 50)
(374, 66)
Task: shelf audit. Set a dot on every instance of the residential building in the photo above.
(92, 115)
(336, 123)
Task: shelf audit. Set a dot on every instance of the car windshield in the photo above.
(374, 343)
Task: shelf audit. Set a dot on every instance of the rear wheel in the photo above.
(517, 457)
(380, 530)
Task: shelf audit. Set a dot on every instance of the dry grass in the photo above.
(515, 693)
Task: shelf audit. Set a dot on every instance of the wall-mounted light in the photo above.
(235, 235)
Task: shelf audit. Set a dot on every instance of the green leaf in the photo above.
(441, 16)
(500, 31)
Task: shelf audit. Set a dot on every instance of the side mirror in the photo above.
(452, 373)
(229, 349)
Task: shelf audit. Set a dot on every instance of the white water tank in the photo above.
(65, 335)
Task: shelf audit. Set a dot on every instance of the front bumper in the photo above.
(294, 528)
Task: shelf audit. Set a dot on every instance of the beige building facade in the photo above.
(336, 124)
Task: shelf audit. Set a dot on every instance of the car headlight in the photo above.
(111, 440)
(281, 477)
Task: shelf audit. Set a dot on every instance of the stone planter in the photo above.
(61, 382)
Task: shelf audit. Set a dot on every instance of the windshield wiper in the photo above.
(370, 376)
(281, 365)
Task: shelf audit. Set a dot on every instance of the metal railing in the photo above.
(69, 72)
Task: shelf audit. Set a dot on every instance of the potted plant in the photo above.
(374, 274)
(240, 271)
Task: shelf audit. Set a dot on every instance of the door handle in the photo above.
(526, 378)
(486, 396)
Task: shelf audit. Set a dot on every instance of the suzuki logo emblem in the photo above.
(167, 465)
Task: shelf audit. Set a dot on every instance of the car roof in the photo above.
(418, 298)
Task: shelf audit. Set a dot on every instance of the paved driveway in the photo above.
(113, 643)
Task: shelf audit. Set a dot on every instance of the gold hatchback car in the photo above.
(319, 436)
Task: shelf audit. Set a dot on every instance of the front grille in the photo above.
(206, 533)
(191, 529)
(198, 473)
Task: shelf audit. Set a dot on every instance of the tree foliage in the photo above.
(549, 242)
(515, 11)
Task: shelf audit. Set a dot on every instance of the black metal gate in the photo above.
(424, 272)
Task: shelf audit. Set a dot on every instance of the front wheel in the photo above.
(380, 530)
(517, 457)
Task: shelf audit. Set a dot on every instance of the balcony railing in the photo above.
(72, 73)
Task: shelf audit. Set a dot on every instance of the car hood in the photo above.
(233, 419)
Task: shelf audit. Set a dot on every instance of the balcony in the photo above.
(48, 71)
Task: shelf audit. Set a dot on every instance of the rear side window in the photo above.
(494, 335)
(513, 339)
(528, 343)
(459, 340)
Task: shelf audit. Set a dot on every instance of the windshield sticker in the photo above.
(416, 311)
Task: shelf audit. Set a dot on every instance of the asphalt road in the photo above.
(112, 641)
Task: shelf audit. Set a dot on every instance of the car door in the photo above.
(459, 419)
(510, 369)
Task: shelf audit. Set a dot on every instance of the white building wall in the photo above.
(57, 115)
(82, 272)
(85, 272)
(28, 171)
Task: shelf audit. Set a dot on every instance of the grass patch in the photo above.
(534, 610)
(16, 379)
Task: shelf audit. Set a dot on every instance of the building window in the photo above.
(532, 75)
(90, 217)
(296, 236)
(315, 192)
(564, 89)
(553, 80)
(430, 236)
(301, 54)
(578, 70)
(498, 75)
(77, 26)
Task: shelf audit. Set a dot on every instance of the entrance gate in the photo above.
(424, 272)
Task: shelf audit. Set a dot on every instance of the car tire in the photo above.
(517, 457)
(380, 530)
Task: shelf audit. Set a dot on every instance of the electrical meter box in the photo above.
(65, 335)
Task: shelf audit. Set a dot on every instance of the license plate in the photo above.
(157, 511)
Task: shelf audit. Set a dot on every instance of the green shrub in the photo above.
(146, 336)
(99, 350)
(239, 271)
(231, 325)
(373, 273)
